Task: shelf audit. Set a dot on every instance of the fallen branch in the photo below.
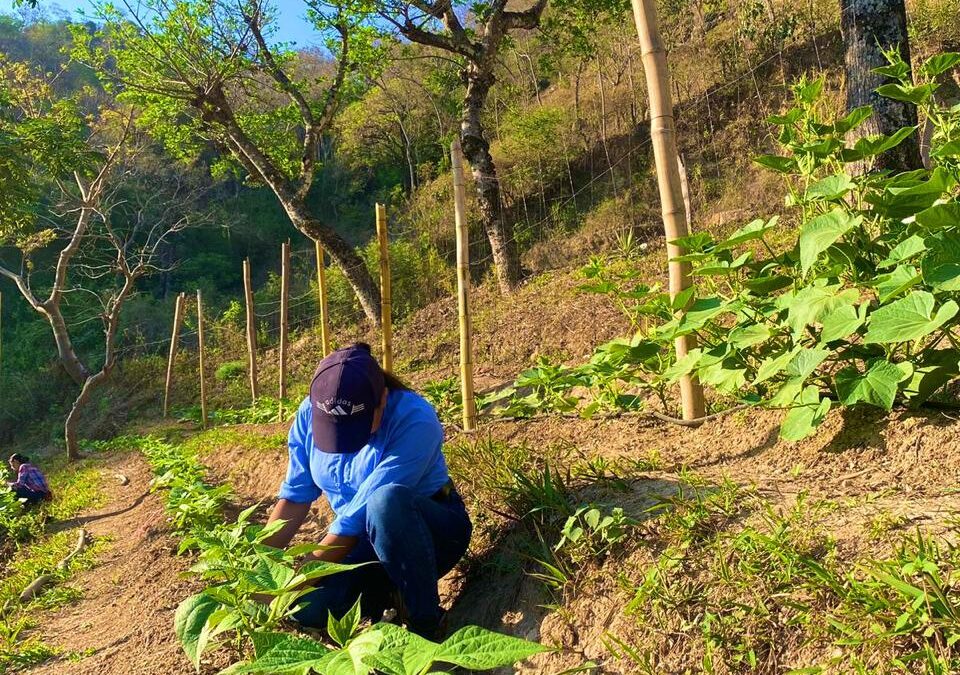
(37, 585)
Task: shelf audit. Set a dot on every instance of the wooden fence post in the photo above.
(322, 290)
(385, 290)
(284, 316)
(463, 289)
(201, 344)
(663, 136)
(251, 332)
(174, 340)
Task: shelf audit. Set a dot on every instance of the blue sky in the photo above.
(293, 27)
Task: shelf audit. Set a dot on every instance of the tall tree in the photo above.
(206, 72)
(435, 23)
(870, 28)
(100, 239)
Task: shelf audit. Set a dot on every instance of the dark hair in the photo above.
(392, 382)
(23, 459)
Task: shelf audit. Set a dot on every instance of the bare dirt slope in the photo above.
(126, 615)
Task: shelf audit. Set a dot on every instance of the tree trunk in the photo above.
(72, 423)
(66, 353)
(868, 28)
(476, 149)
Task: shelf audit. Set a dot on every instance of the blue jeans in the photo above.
(413, 541)
(32, 496)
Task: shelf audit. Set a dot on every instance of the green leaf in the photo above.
(903, 251)
(352, 660)
(292, 656)
(777, 163)
(724, 375)
(934, 370)
(774, 365)
(477, 648)
(842, 322)
(810, 304)
(803, 419)
(806, 362)
(821, 233)
(870, 146)
(940, 216)
(939, 64)
(831, 187)
(941, 264)
(683, 366)
(748, 336)
(722, 267)
(909, 318)
(749, 232)
(878, 386)
(894, 283)
(916, 95)
(853, 119)
(341, 630)
(190, 624)
(948, 149)
(766, 285)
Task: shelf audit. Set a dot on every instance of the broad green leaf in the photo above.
(940, 216)
(694, 243)
(909, 318)
(749, 232)
(803, 419)
(821, 233)
(791, 117)
(725, 376)
(401, 651)
(906, 195)
(870, 146)
(903, 251)
(842, 322)
(264, 641)
(477, 648)
(941, 264)
(853, 119)
(830, 188)
(895, 283)
(934, 370)
(777, 163)
(748, 336)
(351, 659)
(766, 285)
(683, 366)
(810, 304)
(809, 91)
(806, 362)
(293, 656)
(787, 395)
(948, 149)
(720, 267)
(878, 386)
(774, 365)
(269, 576)
(342, 629)
(940, 63)
(916, 95)
(190, 624)
(897, 70)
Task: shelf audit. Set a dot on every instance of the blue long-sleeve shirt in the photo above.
(407, 449)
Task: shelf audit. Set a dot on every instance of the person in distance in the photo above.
(30, 485)
(374, 448)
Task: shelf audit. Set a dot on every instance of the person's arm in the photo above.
(298, 491)
(292, 512)
(336, 548)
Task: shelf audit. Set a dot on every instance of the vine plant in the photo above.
(848, 298)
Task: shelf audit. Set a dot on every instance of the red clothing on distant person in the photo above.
(29, 476)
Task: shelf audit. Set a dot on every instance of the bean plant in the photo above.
(847, 298)
(252, 588)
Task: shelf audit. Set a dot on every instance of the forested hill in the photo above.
(565, 118)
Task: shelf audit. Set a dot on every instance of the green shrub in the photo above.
(230, 370)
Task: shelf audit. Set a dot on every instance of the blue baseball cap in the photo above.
(346, 391)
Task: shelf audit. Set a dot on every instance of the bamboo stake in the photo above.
(322, 290)
(174, 340)
(203, 382)
(463, 289)
(284, 312)
(251, 332)
(385, 290)
(663, 135)
(685, 191)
